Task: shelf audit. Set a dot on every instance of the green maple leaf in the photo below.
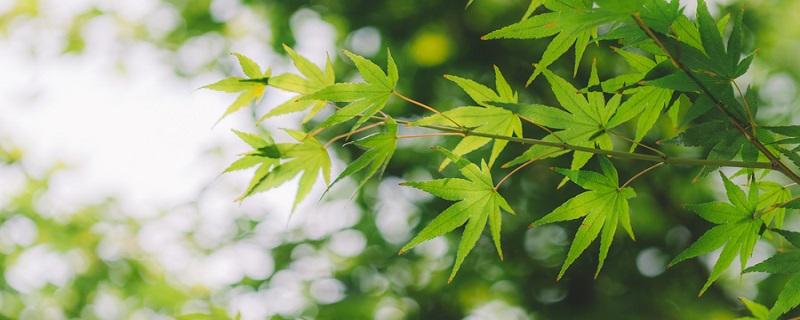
(570, 22)
(584, 120)
(366, 99)
(759, 311)
(604, 206)
(722, 142)
(381, 148)
(700, 48)
(784, 263)
(484, 118)
(787, 146)
(774, 194)
(315, 79)
(308, 156)
(648, 102)
(265, 153)
(738, 229)
(253, 86)
(478, 201)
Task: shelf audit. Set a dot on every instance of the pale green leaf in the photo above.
(539, 26)
(312, 72)
(366, 99)
(370, 71)
(244, 100)
(233, 84)
(249, 67)
(294, 83)
(758, 310)
(307, 156)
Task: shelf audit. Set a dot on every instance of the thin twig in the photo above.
(422, 135)
(427, 107)
(746, 107)
(347, 135)
(542, 127)
(612, 153)
(640, 174)
(776, 207)
(523, 166)
(636, 143)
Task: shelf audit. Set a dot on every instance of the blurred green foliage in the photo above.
(102, 263)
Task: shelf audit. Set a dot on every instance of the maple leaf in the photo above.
(308, 156)
(584, 120)
(483, 119)
(265, 153)
(722, 142)
(366, 99)
(315, 80)
(604, 206)
(570, 24)
(759, 311)
(738, 229)
(700, 48)
(253, 86)
(775, 194)
(477, 201)
(381, 148)
(784, 263)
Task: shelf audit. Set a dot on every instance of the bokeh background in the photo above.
(112, 205)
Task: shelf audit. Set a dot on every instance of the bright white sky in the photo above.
(140, 135)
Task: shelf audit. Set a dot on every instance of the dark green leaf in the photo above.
(737, 230)
(782, 263)
(788, 299)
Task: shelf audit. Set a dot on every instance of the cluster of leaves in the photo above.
(676, 64)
